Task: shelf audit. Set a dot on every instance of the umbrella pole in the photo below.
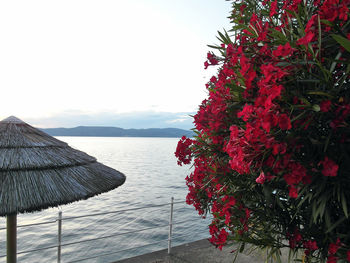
(11, 238)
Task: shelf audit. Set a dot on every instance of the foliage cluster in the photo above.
(271, 154)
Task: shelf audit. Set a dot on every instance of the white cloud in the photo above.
(145, 119)
(180, 120)
(105, 56)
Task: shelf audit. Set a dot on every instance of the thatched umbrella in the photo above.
(38, 171)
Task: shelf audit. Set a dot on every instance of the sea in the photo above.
(128, 221)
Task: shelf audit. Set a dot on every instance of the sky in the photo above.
(131, 64)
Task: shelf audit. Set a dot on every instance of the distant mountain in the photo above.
(99, 131)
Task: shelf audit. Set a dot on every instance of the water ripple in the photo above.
(152, 178)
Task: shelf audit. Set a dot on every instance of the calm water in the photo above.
(152, 178)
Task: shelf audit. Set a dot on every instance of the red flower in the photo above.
(297, 236)
(330, 168)
(284, 122)
(218, 237)
(213, 79)
(291, 5)
(257, 115)
(310, 245)
(279, 148)
(293, 192)
(332, 259)
(183, 151)
(294, 238)
(283, 51)
(325, 105)
(211, 60)
(261, 179)
(246, 112)
(331, 10)
(333, 247)
(306, 39)
(296, 174)
(273, 8)
(309, 31)
(272, 73)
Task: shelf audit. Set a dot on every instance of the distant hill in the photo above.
(98, 131)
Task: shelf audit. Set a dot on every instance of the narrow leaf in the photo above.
(344, 205)
(215, 47)
(336, 224)
(344, 42)
(335, 62)
(320, 93)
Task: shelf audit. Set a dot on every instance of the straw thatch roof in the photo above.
(38, 171)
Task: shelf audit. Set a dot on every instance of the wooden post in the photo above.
(11, 238)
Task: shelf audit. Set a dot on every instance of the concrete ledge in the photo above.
(196, 252)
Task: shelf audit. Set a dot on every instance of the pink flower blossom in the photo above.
(261, 179)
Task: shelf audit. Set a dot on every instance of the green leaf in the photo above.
(309, 80)
(336, 224)
(227, 36)
(305, 101)
(240, 79)
(215, 47)
(327, 218)
(299, 116)
(235, 87)
(283, 64)
(343, 61)
(319, 36)
(326, 22)
(314, 216)
(278, 35)
(224, 38)
(321, 208)
(240, 26)
(327, 142)
(344, 204)
(344, 42)
(305, 198)
(307, 62)
(267, 192)
(320, 93)
(335, 62)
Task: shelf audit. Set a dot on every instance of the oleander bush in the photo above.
(271, 154)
